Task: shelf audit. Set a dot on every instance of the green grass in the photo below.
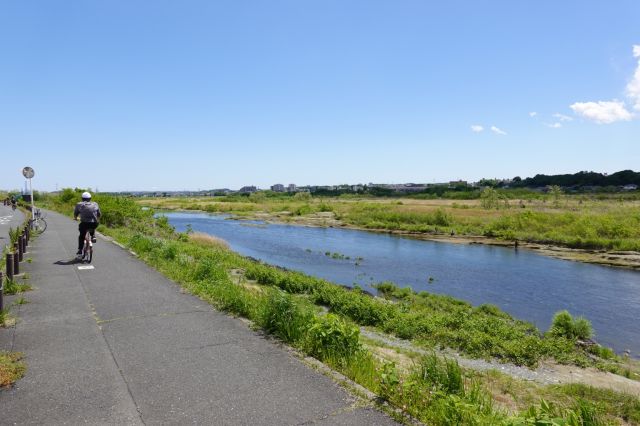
(13, 287)
(4, 317)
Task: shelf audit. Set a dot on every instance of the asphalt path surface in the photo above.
(121, 344)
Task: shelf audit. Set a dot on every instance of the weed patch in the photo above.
(11, 368)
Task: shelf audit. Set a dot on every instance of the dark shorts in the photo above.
(83, 228)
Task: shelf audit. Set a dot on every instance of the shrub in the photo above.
(208, 269)
(564, 325)
(67, 195)
(332, 337)
(283, 317)
(302, 196)
(169, 251)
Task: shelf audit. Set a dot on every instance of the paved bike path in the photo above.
(121, 344)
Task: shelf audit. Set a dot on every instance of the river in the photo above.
(527, 285)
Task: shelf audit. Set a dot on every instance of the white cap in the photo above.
(86, 196)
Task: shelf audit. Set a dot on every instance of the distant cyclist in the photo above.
(89, 213)
(13, 202)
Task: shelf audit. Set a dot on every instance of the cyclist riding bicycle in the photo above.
(89, 213)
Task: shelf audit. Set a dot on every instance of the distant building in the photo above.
(454, 183)
(292, 187)
(278, 187)
(630, 187)
(248, 189)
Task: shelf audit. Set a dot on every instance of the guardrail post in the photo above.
(1, 291)
(9, 263)
(16, 259)
(20, 248)
(23, 238)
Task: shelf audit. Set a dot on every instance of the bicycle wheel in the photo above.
(90, 255)
(39, 225)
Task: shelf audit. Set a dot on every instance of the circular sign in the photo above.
(28, 172)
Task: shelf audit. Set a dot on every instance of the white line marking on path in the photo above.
(86, 267)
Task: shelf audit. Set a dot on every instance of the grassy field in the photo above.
(323, 320)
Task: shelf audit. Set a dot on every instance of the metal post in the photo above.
(20, 248)
(33, 210)
(1, 291)
(23, 241)
(16, 260)
(9, 263)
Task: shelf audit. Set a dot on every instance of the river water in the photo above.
(527, 285)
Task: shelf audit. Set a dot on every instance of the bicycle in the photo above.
(38, 223)
(87, 249)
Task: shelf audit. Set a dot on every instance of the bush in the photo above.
(332, 337)
(302, 196)
(283, 317)
(208, 269)
(67, 195)
(564, 325)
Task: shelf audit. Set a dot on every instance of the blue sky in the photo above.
(127, 95)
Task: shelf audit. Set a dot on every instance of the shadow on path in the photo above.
(67, 262)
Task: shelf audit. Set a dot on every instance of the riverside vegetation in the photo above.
(323, 320)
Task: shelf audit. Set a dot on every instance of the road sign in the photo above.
(28, 172)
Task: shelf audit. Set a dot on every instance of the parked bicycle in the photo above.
(38, 223)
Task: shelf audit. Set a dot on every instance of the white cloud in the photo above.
(606, 112)
(602, 112)
(477, 128)
(498, 131)
(633, 88)
(554, 125)
(533, 114)
(562, 117)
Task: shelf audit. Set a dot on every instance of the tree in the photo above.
(490, 199)
(556, 193)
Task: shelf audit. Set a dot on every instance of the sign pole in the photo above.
(28, 173)
(33, 207)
